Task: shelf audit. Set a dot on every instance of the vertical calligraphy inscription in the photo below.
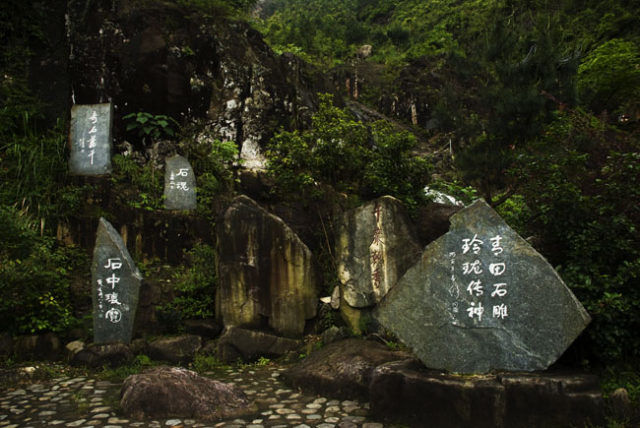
(90, 139)
(179, 184)
(478, 263)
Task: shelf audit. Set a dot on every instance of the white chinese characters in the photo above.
(110, 295)
(482, 274)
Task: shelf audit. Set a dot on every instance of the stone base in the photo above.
(405, 391)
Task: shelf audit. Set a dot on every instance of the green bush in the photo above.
(583, 206)
(349, 156)
(34, 277)
(194, 285)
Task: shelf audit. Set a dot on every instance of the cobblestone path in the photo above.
(87, 402)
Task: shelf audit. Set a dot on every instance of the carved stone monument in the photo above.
(179, 184)
(90, 139)
(481, 298)
(116, 285)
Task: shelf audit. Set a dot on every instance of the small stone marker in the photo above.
(481, 298)
(116, 285)
(90, 139)
(179, 184)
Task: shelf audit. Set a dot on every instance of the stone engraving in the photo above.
(481, 298)
(115, 285)
(90, 139)
(179, 184)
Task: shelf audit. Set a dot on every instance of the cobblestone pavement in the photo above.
(87, 402)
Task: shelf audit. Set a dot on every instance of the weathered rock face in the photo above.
(116, 287)
(175, 392)
(341, 369)
(248, 345)
(481, 298)
(405, 391)
(111, 354)
(161, 58)
(264, 271)
(374, 247)
(177, 349)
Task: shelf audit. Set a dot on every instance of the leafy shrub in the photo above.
(148, 127)
(137, 186)
(583, 206)
(34, 277)
(347, 155)
(195, 285)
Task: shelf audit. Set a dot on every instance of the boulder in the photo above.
(98, 355)
(177, 349)
(248, 345)
(341, 369)
(73, 347)
(205, 328)
(405, 391)
(375, 245)
(265, 273)
(163, 392)
(481, 299)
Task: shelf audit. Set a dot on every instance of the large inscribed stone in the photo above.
(481, 298)
(179, 184)
(116, 285)
(90, 139)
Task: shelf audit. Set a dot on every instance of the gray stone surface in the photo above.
(115, 287)
(264, 271)
(481, 298)
(179, 184)
(90, 139)
(171, 391)
(374, 247)
(248, 345)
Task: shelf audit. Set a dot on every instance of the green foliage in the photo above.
(212, 161)
(609, 76)
(345, 154)
(118, 374)
(34, 173)
(147, 127)
(34, 277)
(582, 204)
(206, 363)
(137, 186)
(195, 285)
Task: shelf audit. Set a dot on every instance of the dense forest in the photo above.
(532, 105)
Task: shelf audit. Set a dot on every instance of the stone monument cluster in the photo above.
(477, 299)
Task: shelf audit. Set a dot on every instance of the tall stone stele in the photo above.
(481, 299)
(90, 139)
(115, 287)
(179, 184)
(375, 245)
(265, 272)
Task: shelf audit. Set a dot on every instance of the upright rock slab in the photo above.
(90, 139)
(374, 248)
(481, 298)
(264, 271)
(179, 184)
(116, 285)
